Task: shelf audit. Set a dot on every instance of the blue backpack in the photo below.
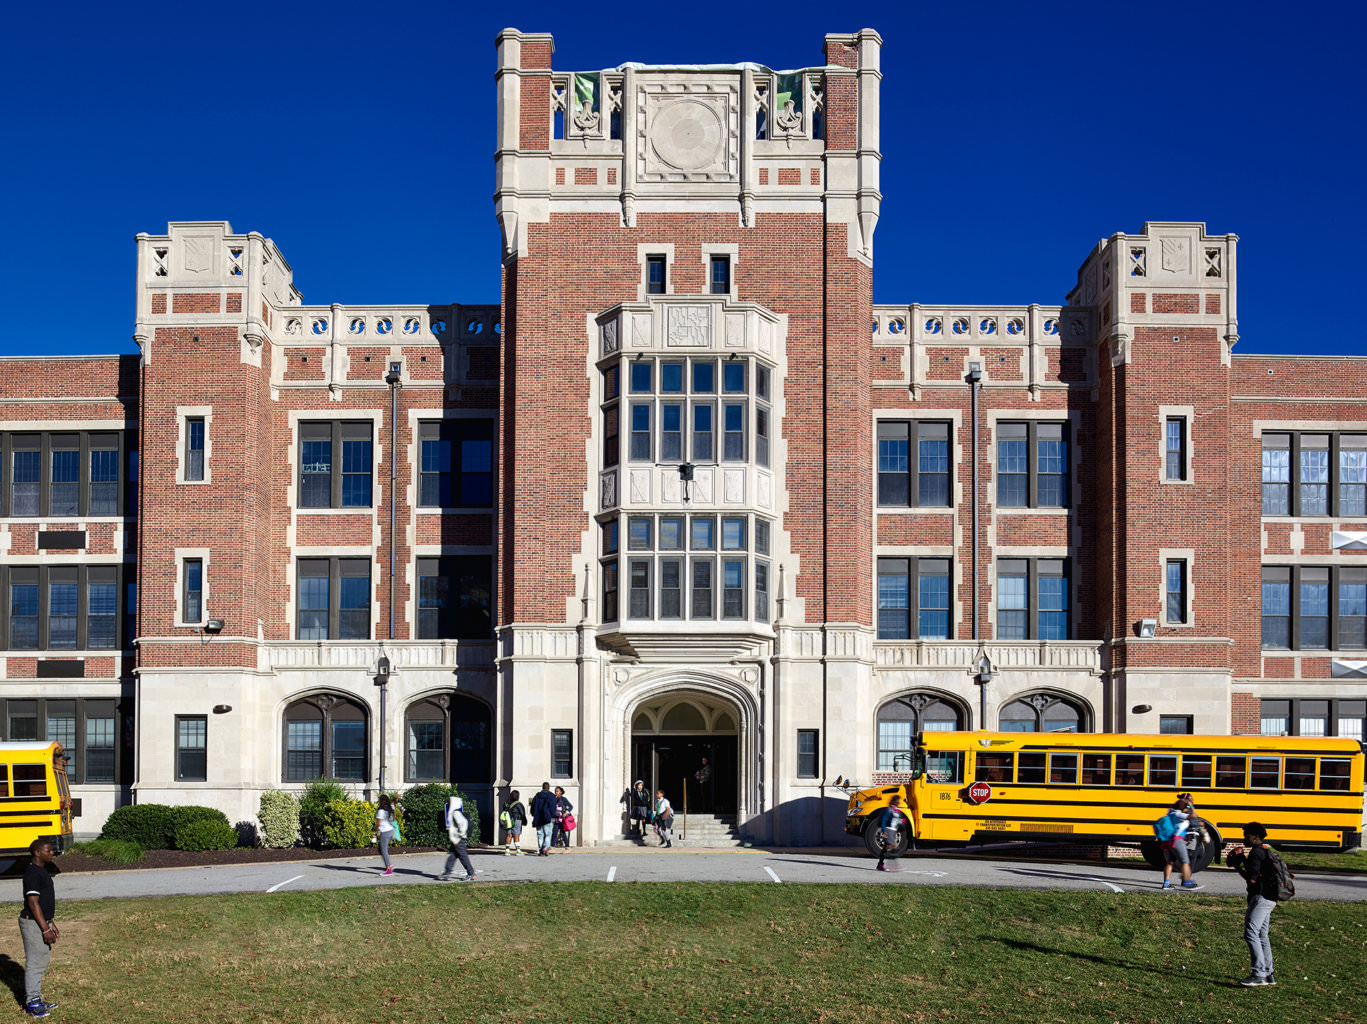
(1165, 828)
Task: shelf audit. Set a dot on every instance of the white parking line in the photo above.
(612, 872)
(772, 875)
(287, 881)
(1110, 885)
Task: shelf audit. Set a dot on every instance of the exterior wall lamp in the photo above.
(382, 670)
(982, 675)
(1146, 627)
(686, 475)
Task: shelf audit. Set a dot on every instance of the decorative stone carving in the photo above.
(640, 486)
(702, 488)
(198, 254)
(607, 486)
(690, 132)
(688, 327)
(1176, 255)
(764, 485)
(733, 486)
(640, 330)
(608, 337)
(735, 330)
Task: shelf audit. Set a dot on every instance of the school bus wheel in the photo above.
(1153, 854)
(874, 843)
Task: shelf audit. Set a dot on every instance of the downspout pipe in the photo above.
(975, 376)
(394, 379)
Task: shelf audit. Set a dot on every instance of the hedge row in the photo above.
(159, 827)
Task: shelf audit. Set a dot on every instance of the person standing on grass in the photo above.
(515, 817)
(457, 828)
(561, 835)
(1256, 867)
(384, 830)
(37, 927)
(664, 818)
(892, 819)
(1175, 846)
(543, 819)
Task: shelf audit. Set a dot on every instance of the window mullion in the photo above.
(6, 474)
(44, 473)
(1032, 593)
(83, 476)
(1333, 605)
(42, 607)
(1032, 475)
(334, 598)
(1294, 472)
(1295, 607)
(1332, 505)
(913, 465)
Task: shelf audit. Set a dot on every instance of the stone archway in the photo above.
(687, 743)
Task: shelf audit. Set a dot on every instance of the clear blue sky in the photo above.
(360, 138)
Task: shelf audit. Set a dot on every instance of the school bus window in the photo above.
(1300, 773)
(944, 766)
(1265, 773)
(1129, 769)
(1163, 770)
(1096, 769)
(1229, 772)
(1031, 769)
(994, 767)
(4, 780)
(1195, 772)
(1334, 773)
(1063, 769)
(30, 780)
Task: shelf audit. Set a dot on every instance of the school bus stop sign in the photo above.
(979, 793)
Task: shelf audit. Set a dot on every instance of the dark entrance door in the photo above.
(667, 762)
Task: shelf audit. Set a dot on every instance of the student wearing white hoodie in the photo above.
(457, 828)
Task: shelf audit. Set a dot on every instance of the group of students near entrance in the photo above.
(552, 816)
(1269, 881)
(647, 813)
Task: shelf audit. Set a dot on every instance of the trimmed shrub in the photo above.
(312, 811)
(148, 825)
(423, 817)
(205, 833)
(279, 816)
(346, 824)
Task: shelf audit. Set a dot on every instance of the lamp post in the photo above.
(382, 681)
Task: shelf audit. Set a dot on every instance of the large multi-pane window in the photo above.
(90, 731)
(61, 607)
(900, 720)
(1032, 465)
(913, 463)
(449, 738)
(455, 597)
(1314, 717)
(333, 599)
(335, 464)
(1314, 474)
(696, 410)
(914, 598)
(457, 463)
(79, 473)
(324, 735)
(1042, 712)
(677, 566)
(1032, 599)
(1314, 607)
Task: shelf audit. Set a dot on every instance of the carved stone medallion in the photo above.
(687, 135)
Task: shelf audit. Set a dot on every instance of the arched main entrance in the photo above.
(672, 734)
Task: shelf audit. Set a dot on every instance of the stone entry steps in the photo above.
(704, 831)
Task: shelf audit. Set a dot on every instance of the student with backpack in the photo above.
(512, 818)
(1171, 830)
(1269, 882)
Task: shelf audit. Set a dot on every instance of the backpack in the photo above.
(505, 819)
(1165, 828)
(1286, 886)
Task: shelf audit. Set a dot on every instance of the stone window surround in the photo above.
(732, 252)
(185, 413)
(1187, 414)
(925, 551)
(665, 249)
(417, 417)
(182, 555)
(1032, 554)
(1072, 418)
(1166, 555)
(378, 566)
(957, 457)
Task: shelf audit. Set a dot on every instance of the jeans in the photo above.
(37, 953)
(543, 835)
(458, 850)
(1256, 921)
(385, 837)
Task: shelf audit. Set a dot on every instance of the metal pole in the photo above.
(383, 688)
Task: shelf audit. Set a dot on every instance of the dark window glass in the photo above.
(733, 588)
(1265, 773)
(1096, 769)
(1230, 771)
(457, 463)
(64, 494)
(1175, 448)
(733, 432)
(99, 747)
(655, 275)
(104, 474)
(703, 431)
(638, 570)
(348, 751)
(1129, 769)
(721, 275)
(1162, 770)
(192, 759)
(994, 767)
(1175, 590)
(1032, 769)
(1032, 465)
(1300, 773)
(1196, 771)
(426, 750)
(334, 599)
(102, 608)
(671, 588)
(194, 448)
(25, 478)
(562, 753)
(303, 750)
(1276, 616)
(807, 753)
(1063, 769)
(1335, 774)
(327, 481)
(702, 588)
(192, 603)
(1178, 724)
(610, 591)
(1032, 599)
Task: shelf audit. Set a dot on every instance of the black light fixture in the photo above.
(222, 709)
(395, 374)
(213, 626)
(382, 669)
(1141, 709)
(686, 475)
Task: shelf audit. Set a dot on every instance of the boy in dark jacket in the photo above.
(1256, 867)
(543, 819)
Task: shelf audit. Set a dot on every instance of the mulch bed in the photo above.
(152, 859)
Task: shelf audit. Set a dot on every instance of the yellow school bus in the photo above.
(1111, 787)
(35, 799)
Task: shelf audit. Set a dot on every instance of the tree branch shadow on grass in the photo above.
(12, 974)
(1101, 961)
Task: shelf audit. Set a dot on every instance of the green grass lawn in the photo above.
(696, 952)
